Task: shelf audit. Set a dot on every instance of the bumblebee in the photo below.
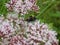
(31, 18)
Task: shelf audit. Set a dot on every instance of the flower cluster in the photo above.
(40, 34)
(22, 6)
(27, 33)
(11, 24)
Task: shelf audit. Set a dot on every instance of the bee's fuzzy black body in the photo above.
(31, 18)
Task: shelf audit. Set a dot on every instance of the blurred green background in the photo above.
(49, 13)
